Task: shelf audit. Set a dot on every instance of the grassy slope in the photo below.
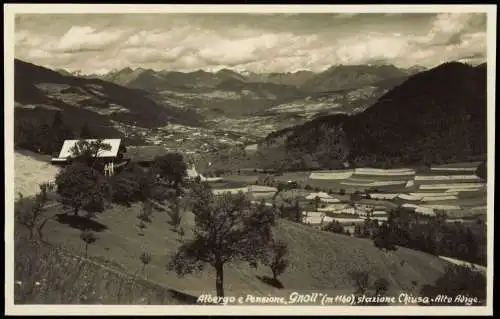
(318, 260)
(47, 274)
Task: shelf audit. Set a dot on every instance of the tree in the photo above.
(29, 211)
(357, 231)
(281, 188)
(42, 137)
(58, 133)
(80, 186)
(145, 258)
(171, 168)
(88, 151)
(228, 229)
(175, 213)
(57, 121)
(384, 238)
(88, 238)
(296, 211)
(146, 212)
(181, 234)
(276, 258)
(317, 202)
(356, 196)
(334, 227)
(28, 135)
(126, 188)
(459, 280)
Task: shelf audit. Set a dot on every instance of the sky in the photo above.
(262, 43)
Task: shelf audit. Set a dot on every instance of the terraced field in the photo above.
(452, 187)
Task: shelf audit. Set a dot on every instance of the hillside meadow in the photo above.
(50, 274)
(318, 260)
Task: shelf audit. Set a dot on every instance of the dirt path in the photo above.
(464, 263)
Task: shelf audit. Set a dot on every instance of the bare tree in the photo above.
(29, 211)
(174, 213)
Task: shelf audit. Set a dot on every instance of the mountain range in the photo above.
(240, 95)
(40, 92)
(337, 77)
(366, 115)
(434, 116)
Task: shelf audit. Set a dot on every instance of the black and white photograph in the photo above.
(249, 159)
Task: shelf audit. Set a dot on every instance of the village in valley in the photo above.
(155, 186)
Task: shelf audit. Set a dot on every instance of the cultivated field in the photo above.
(454, 187)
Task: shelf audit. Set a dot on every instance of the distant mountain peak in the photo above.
(434, 116)
(227, 71)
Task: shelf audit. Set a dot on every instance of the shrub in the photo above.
(459, 280)
(171, 168)
(361, 280)
(334, 227)
(381, 286)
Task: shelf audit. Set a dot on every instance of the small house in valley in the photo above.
(108, 160)
(324, 197)
(192, 174)
(145, 155)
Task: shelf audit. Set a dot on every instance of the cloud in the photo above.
(85, 38)
(258, 43)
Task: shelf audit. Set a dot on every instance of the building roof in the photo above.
(145, 153)
(321, 195)
(193, 173)
(261, 188)
(69, 144)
